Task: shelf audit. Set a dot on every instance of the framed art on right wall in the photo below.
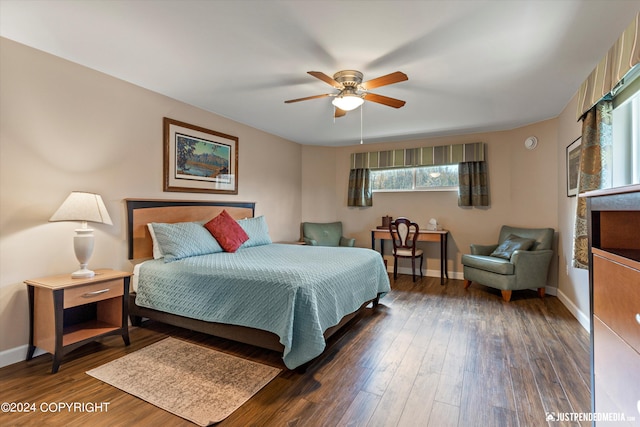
(573, 167)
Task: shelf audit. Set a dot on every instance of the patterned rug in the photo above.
(201, 385)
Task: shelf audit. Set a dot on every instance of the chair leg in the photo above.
(506, 295)
(467, 283)
(395, 268)
(413, 268)
(421, 266)
(541, 292)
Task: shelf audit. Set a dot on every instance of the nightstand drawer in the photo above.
(616, 293)
(617, 372)
(86, 294)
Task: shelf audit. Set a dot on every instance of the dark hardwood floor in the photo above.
(429, 355)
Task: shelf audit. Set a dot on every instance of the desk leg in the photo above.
(32, 348)
(442, 255)
(443, 258)
(446, 270)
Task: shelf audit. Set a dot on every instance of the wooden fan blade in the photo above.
(339, 113)
(385, 80)
(328, 80)
(307, 98)
(385, 100)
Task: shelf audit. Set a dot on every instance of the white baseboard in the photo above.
(16, 354)
(428, 273)
(583, 318)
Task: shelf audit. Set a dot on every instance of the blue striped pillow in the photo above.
(257, 230)
(184, 239)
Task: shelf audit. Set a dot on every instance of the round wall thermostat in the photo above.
(531, 142)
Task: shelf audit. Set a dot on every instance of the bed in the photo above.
(283, 297)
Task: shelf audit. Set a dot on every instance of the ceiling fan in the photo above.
(353, 92)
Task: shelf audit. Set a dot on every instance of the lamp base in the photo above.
(83, 273)
(83, 247)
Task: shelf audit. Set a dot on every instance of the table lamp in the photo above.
(80, 206)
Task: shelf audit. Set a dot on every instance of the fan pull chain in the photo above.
(361, 108)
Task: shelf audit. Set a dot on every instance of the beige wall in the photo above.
(319, 184)
(65, 127)
(523, 192)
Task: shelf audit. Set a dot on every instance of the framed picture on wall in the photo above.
(199, 160)
(573, 167)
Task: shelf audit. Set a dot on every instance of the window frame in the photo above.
(414, 187)
(626, 133)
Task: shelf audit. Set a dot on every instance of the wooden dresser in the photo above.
(614, 285)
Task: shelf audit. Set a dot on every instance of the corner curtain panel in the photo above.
(473, 184)
(360, 192)
(595, 171)
(620, 59)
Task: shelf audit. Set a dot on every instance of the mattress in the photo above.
(293, 291)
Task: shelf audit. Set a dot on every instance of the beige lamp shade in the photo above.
(81, 206)
(85, 207)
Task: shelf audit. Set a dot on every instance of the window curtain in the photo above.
(473, 184)
(621, 57)
(595, 171)
(360, 192)
(422, 156)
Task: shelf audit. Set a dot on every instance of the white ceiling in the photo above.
(473, 65)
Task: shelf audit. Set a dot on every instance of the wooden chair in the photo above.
(404, 235)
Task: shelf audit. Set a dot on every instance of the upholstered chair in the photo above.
(404, 235)
(520, 260)
(325, 234)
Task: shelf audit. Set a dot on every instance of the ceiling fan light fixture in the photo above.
(348, 102)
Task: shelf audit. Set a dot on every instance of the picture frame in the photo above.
(199, 160)
(573, 167)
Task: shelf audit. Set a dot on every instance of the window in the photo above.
(432, 168)
(626, 132)
(423, 178)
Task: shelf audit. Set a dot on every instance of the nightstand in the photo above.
(65, 313)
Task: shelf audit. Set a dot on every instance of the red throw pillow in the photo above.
(227, 232)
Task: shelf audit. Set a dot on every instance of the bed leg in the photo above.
(135, 320)
(376, 301)
(302, 369)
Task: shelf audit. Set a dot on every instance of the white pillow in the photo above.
(157, 252)
(184, 239)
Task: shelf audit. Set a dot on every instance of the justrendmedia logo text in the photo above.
(587, 416)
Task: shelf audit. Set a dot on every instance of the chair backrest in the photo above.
(543, 236)
(404, 234)
(325, 234)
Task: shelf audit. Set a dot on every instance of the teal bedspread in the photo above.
(294, 291)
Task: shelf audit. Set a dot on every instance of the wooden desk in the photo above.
(423, 236)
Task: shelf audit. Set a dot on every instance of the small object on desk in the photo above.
(433, 225)
(386, 220)
(66, 312)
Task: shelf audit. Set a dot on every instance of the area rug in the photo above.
(199, 384)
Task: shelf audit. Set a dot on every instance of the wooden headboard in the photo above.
(142, 212)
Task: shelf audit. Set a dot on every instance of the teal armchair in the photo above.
(520, 260)
(325, 234)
